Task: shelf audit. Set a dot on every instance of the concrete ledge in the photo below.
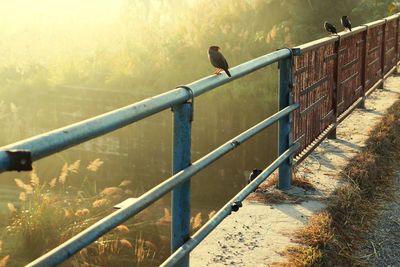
(256, 234)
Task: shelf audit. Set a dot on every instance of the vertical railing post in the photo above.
(180, 223)
(364, 55)
(383, 52)
(397, 42)
(335, 94)
(285, 124)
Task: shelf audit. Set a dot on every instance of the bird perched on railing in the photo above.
(330, 27)
(253, 175)
(218, 60)
(346, 22)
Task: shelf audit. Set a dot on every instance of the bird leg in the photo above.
(218, 71)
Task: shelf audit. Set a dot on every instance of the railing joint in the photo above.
(235, 206)
(20, 160)
(235, 143)
(191, 98)
(293, 51)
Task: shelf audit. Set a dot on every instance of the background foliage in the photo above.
(156, 44)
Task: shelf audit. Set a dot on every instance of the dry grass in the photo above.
(301, 181)
(334, 237)
(319, 231)
(274, 196)
(313, 237)
(300, 256)
(47, 215)
(4, 260)
(268, 194)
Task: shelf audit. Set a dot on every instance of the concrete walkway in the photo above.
(256, 234)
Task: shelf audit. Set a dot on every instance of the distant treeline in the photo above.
(156, 44)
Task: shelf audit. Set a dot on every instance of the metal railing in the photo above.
(333, 75)
(320, 82)
(18, 156)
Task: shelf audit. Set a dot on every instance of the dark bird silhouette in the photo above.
(218, 60)
(330, 27)
(346, 22)
(253, 175)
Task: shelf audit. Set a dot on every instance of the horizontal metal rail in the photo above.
(339, 47)
(227, 209)
(354, 31)
(317, 43)
(376, 23)
(55, 141)
(327, 40)
(89, 235)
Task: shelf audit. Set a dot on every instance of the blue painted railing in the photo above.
(18, 156)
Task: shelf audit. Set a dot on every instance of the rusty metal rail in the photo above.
(333, 75)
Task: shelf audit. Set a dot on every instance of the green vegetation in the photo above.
(157, 44)
(49, 213)
(151, 46)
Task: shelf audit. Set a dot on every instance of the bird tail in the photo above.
(228, 73)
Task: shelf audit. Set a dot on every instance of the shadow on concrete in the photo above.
(349, 144)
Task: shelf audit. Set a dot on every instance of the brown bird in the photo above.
(218, 60)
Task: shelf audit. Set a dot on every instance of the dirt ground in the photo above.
(257, 234)
(383, 246)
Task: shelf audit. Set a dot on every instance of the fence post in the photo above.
(285, 124)
(336, 84)
(383, 52)
(397, 43)
(364, 55)
(180, 203)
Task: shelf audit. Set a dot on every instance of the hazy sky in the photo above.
(40, 28)
(22, 13)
